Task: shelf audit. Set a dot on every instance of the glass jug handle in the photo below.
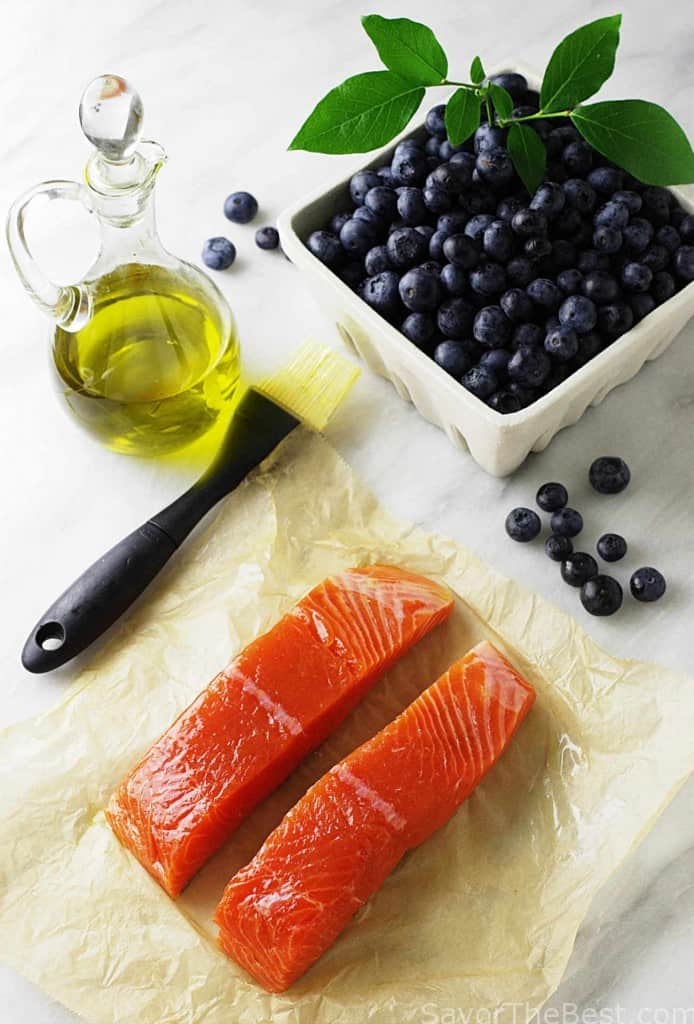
(69, 305)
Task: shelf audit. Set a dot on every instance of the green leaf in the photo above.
(462, 116)
(528, 155)
(580, 64)
(476, 71)
(410, 49)
(641, 137)
(363, 113)
(503, 103)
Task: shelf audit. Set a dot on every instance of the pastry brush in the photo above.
(307, 391)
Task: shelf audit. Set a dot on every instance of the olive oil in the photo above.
(156, 364)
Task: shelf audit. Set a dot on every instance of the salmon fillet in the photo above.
(337, 845)
(276, 701)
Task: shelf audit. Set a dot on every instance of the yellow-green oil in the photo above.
(155, 367)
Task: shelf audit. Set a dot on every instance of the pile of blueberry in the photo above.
(600, 594)
(240, 207)
(509, 293)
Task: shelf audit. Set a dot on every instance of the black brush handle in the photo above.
(108, 587)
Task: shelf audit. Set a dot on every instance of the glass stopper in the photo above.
(111, 116)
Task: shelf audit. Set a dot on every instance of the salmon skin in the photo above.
(337, 845)
(276, 701)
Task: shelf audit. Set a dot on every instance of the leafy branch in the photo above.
(368, 110)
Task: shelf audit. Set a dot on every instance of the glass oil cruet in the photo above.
(144, 347)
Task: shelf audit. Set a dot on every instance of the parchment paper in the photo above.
(482, 917)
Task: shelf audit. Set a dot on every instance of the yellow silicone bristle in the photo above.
(313, 385)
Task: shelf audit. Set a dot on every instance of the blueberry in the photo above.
(589, 260)
(514, 84)
(544, 293)
(352, 273)
(431, 146)
(477, 225)
(578, 568)
(450, 177)
(381, 292)
(507, 207)
(337, 221)
(611, 547)
(551, 496)
(561, 343)
(662, 287)
(376, 260)
(558, 548)
(488, 137)
(683, 262)
(481, 381)
(454, 279)
(406, 145)
(426, 230)
(488, 280)
(382, 201)
(436, 245)
(656, 257)
(601, 595)
(435, 121)
(637, 235)
(360, 183)
(453, 357)
(491, 327)
(529, 366)
(409, 167)
(497, 241)
(516, 305)
(537, 248)
(436, 199)
(636, 277)
(495, 167)
(240, 207)
(267, 238)
(431, 267)
(504, 401)
(600, 287)
(607, 240)
(406, 246)
(580, 195)
(419, 329)
(411, 205)
(567, 522)
(668, 237)
(525, 394)
(367, 216)
(577, 157)
(686, 228)
(529, 223)
(606, 180)
(570, 281)
(462, 250)
(420, 290)
(656, 204)
(549, 199)
(496, 360)
(588, 346)
(454, 318)
(446, 150)
(465, 162)
(612, 215)
(522, 524)
(609, 474)
(358, 236)
(478, 198)
(527, 335)
(386, 175)
(520, 271)
(632, 200)
(218, 253)
(578, 312)
(615, 319)
(326, 248)
(647, 584)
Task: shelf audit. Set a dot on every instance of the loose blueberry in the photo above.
(561, 343)
(609, 474)
(496, 360)
(376, 260)
(641, 303)
(505, 402)
(579, 313)
(656, 258)
(567, 522)
(497, 241)
(529, 223)
(514, 84)
(406, 246)
(647, 584)
(477, 225)
(527, 334)
(637, 235)
(636, 277)
(683, 262)
(409, 167)
(615, 319)
(352, 273)
(600, 287)
(608, 240)
(491, 327)
(580, 195)
(612, 215)
(516, 305)
(557, 547)
(435, 121)
(360, 183)
(537, 248)
(454, 279)
(601, 595)
(495, 167)
(326, 247)
(590, 260)
(668, 237)
(577, 157)
(358, 236)
(544, 293)
(489, 137)
(549, 199)
(454, 318)
(488, 280)
(481, 381)
(240, 207)
(267, 238)
(436, 245)
(337, 221)
(577, 568)
(520, 271)
(632, 200)
(551, 496)
(656, 204)
(453, 357)
(411, 205)
(420, 290)
(462, 250)
(419, 329)
(529, 366)
(686, 228)
(606, 180)
(218, 253)
(522, 524)
(436, 199)
(611, 547)
(663, 287)
(367, 216)
(588, 346)
(453, 178)
(570, 281)
(381, 292)
(507, 207)
(382, 201)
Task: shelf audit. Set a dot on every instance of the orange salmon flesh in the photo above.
(277, 701)
(338, 844)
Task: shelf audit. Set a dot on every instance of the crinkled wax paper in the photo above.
(482, 917)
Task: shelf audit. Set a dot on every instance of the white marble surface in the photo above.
(225, 85)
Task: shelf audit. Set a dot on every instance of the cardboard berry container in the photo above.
(498, 442)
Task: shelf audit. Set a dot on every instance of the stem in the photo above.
(461, 85)
(541, 115)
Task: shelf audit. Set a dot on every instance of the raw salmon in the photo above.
(337, 845)
(276, 701)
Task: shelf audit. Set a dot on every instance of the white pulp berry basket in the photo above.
(498, 442)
